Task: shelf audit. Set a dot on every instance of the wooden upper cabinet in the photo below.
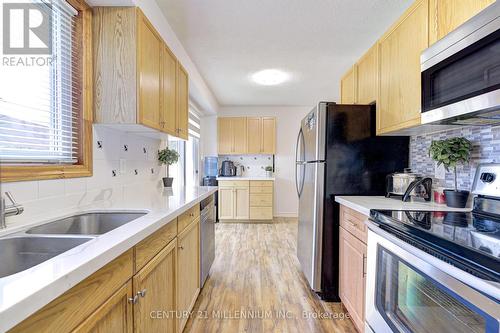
(232, 135)
(143, 85)
(261, 138)
(268, 135)
(239, 135)
(446, 15)
(169, 86)
(348, 86)
(115, 315)
(182, 102)
(188, 286)
(149, 49)
(254, 140)
(155, 285)
(367, 78)
(224, 136)
(399, 51)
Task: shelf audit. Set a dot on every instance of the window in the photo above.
(192, 149)
(186, 170)
(177, 170)
(45, 100)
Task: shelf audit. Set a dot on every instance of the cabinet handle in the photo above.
(181, 247)
(141, 293)
(191, 214)
(134, 299)
(364, 265)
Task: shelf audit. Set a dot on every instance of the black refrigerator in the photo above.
(337, 153)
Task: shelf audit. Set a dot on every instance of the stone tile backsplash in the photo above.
(486, 149)
(120, 160)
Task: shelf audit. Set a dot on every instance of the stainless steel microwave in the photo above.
(461, 73)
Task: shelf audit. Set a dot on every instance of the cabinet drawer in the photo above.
(233, 183)
(259, 183)
(261, 213)
(261, 189)
(354, 222)
(261, 200)
(149, 247)
(68, 310)
(187, 217)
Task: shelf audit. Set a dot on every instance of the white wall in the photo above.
(287, 125)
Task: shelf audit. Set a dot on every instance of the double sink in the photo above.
(23, 250)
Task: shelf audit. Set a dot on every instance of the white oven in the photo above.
(409, 290)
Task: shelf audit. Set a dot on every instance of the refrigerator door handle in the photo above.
(299, 163)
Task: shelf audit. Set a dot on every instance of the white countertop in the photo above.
(23, 293)
(245, 178)
(363, 204)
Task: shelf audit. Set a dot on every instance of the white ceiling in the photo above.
(315, 40)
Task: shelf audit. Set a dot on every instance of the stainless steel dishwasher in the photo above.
(207, 237)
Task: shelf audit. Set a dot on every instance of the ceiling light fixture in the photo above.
(270, 77)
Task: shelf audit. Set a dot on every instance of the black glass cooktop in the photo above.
(468, 236)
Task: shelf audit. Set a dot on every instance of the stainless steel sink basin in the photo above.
(20, 253)
(86, 224)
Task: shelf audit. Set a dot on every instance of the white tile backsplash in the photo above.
(51, 198)
(254, 164)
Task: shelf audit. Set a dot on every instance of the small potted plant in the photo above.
(450, 153)
(167, 157)
(269, 171)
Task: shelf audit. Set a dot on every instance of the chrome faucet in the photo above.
(13, 209)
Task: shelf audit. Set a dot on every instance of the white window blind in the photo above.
(40, 105)
(193, 122)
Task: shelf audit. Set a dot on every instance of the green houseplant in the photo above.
(167, 157)
(450, 153)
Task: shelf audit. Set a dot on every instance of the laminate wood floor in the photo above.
(255, 285)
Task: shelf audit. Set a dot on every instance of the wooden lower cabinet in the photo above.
(188, 276)
(154, 286)
(352, 277)
(234, 200)
(166, 284)
(115, 315)
(67, 311)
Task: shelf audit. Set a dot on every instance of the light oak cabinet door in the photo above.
(232, 135)
(241, 203)
(115, 315)
(226, 203)
(367, 79)
(239, 126)
(446, 15)
(399, 51)
(352, 276)
(268, 135)
(149, 49)
(224, 136)
(188, 286)
(182, 102)
(348, 86)
(155, 286)
(254, 140)
(261, 138)
(169, 87)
